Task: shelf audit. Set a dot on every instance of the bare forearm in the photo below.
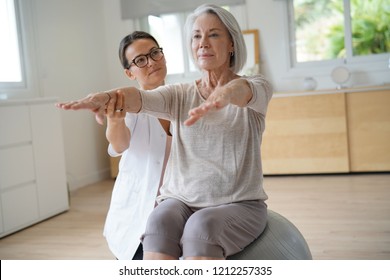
(118, 135)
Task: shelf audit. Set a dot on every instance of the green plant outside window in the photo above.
(320, 28)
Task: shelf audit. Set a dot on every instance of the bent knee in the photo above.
(167, 217)
(202, 225)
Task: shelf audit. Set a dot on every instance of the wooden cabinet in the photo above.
(306, 134)
(332, 132)
(369, 130)
(32, 164)
(114, 166)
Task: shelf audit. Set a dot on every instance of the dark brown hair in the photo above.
(128, 40)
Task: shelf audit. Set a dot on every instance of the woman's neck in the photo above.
(210, 80)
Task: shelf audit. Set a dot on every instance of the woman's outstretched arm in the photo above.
(97, 102)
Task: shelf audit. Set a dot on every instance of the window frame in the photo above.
(28, 87)
(371, 62)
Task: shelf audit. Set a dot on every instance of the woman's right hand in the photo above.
(115, 107)
(117, 133)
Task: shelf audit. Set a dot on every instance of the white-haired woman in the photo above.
(212, 201)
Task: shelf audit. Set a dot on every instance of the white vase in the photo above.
(309, 83)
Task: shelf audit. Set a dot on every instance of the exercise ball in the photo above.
(280, 240)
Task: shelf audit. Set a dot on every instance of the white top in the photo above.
(217, 160)
(136, 186)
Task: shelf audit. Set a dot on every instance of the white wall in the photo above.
(71, 61)
(115, 29)
(76, 44)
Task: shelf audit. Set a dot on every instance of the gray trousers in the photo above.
(177, 230)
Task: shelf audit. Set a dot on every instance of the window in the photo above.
(10, 67)
(167, 29)
(18, 67)
(169, 32)
(345, 30)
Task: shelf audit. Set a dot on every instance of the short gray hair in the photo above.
(238, 59)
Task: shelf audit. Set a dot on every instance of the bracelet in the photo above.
(109, 96)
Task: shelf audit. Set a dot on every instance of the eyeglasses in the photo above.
(142, 60)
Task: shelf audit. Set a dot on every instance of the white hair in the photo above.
(238, 59)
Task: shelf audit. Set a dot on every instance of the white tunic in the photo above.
(136, 186)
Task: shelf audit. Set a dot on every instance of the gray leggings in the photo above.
(177, 230)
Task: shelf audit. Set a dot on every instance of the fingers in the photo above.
(91, 102)
(115, 105)
(99, 118)
(102, 103)
(120, 102)
(66, 105)
(191, 120)
(111, 106)
(76, 105)
(196, 113)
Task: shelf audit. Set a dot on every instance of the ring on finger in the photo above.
(119, 110)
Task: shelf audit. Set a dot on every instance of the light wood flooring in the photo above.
(341, 217)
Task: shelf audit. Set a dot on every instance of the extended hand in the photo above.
(96, 102)
(216, 101)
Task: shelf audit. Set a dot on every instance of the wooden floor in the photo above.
(341, 217)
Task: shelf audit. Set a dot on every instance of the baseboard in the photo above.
(89, 179)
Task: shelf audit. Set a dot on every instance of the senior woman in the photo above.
(212, 201)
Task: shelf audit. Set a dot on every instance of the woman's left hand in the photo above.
(236, 92)
(216, 101)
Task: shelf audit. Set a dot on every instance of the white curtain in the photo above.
(139, 8)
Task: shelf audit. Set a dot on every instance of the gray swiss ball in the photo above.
(280, 240)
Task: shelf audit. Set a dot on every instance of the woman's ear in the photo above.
(129, 74)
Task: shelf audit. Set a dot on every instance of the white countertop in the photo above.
(27, 101)
(331, 91)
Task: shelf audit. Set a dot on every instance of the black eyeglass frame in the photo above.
(160, 50)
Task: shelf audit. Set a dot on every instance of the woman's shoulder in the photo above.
(259, 80)
(256, 77)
